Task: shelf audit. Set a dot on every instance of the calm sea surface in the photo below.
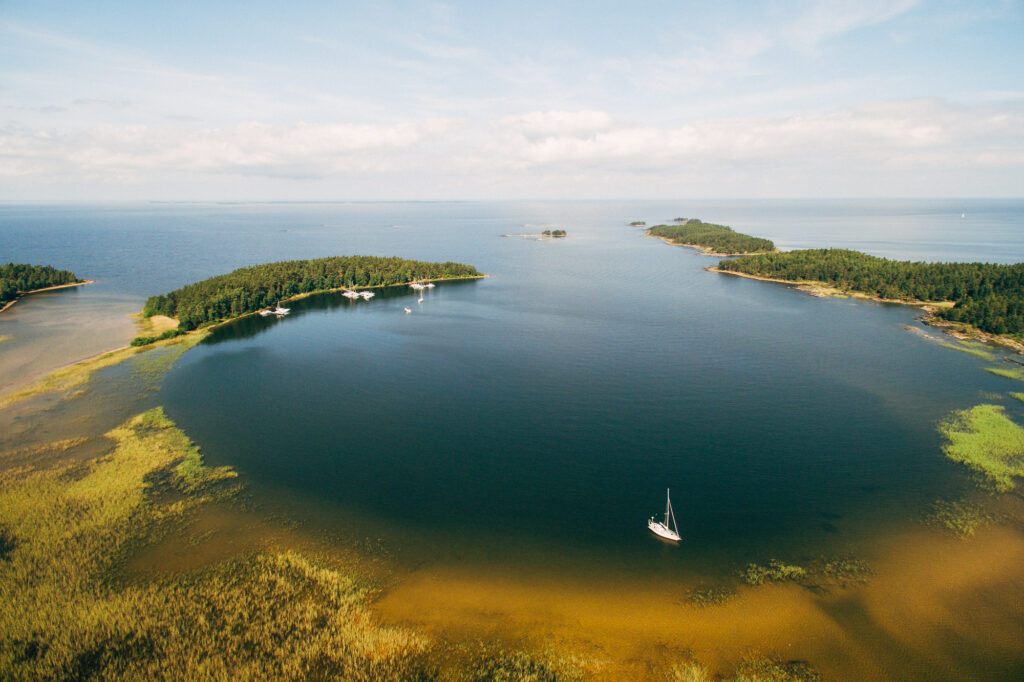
(540, 414)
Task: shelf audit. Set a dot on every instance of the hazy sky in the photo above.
(476, 100)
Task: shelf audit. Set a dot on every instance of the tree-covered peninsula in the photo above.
(716, 239)
(247, 290)
(987, 296)
(20, 278)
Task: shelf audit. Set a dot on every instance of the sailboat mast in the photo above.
(668, 505)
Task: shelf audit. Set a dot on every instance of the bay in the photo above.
(554, 401)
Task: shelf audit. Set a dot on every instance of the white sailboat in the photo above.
(661, 529)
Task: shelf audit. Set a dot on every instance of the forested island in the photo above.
(21, 278)
(554, 233)
(247, 290)
(987, 296)
(713, 239)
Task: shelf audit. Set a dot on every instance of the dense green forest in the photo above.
(19, 278)
(249, 289)
(987, 295)
(717, 238)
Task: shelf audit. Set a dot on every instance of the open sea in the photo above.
(535, 418)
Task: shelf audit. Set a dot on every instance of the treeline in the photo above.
(987, 295)
(19, 278)
(249, 289)
(717, 238)
(553, 233)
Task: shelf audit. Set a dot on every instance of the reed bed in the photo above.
(986, 440)
(70, 611)
(975, 348)
(1006, 373)
(75, 375)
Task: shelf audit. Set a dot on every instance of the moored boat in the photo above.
(661, 529)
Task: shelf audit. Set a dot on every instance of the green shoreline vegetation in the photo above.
(986, 440)
(713, 239)
(250, 289)
(72, 376)
(20, 278)
(975, 348)
(1007, 372)
(985, 296)
(71, 612)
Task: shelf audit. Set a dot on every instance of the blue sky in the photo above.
(434, 100)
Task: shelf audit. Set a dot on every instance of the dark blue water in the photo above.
(556, 400)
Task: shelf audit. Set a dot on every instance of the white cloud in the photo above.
(877, 132)
(911, 144)
(249, 148)
(545, 124)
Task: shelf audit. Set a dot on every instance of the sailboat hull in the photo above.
(662, 531)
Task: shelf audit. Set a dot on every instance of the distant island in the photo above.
(984, 296)
(544, 236)
(250, 289)
(17, 279)
(637, 223)
(712, 239)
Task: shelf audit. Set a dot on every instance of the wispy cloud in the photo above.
(824, 20)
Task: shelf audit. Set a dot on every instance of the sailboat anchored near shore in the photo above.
(661, 529)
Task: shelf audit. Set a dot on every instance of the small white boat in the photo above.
(429, 285)
(661, 529)
(408, 310)
(266, 312)
(417, 286)
(279, 311)
(367, 295)
(349, 293)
